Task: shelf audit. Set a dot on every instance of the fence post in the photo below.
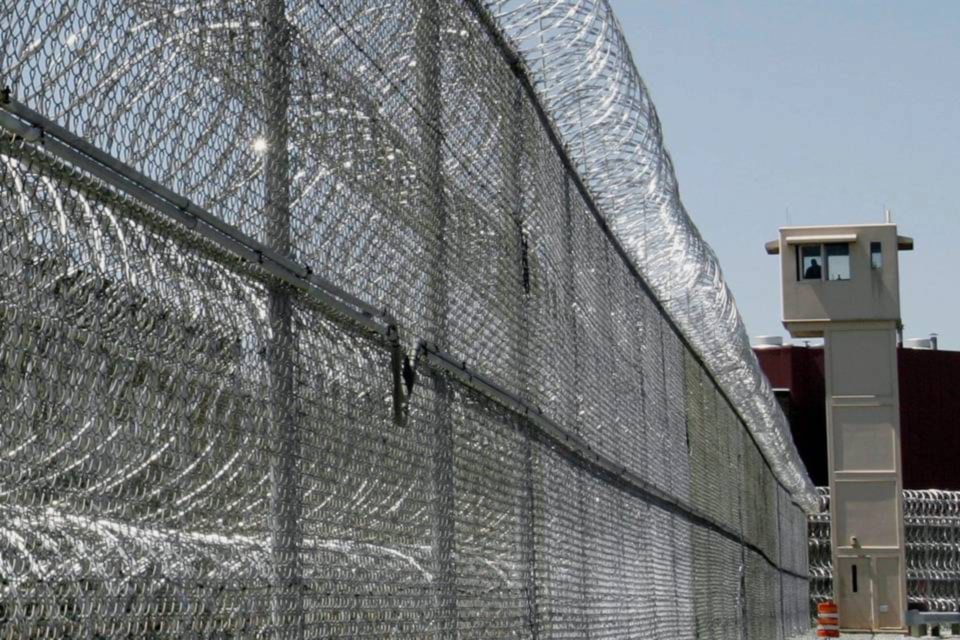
(783, 619)
(742, 586)
(285, 498)
(577, 387)
(428, 52)
(514, 142)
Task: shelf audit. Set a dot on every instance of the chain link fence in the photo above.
(310, 330)
(932, 528)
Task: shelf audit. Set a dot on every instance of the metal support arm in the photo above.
(34, 128)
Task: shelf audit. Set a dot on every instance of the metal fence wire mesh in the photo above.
(308, 329)
(932, 528)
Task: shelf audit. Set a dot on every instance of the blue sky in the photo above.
(830, 111)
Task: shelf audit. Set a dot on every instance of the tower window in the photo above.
(810, 260)
(876, 256)
(838, 261)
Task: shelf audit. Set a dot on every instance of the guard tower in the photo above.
(842, 283)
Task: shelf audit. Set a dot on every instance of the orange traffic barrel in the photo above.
(828, 620)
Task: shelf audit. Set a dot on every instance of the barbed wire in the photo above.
(932, 526)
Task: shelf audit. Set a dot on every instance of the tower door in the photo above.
(855, 593)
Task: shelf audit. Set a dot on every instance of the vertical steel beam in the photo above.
(514, 140)
(570, 278)
(742, 586)
(285, 498)
(783, 619)
(428, 53)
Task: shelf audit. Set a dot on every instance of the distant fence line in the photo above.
(932, 529)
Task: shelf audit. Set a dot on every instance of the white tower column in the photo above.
(863, 435)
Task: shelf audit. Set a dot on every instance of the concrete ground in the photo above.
(879, 636)
(863, 636)
(870, 636)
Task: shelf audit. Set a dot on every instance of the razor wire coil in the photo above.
(932, 527)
